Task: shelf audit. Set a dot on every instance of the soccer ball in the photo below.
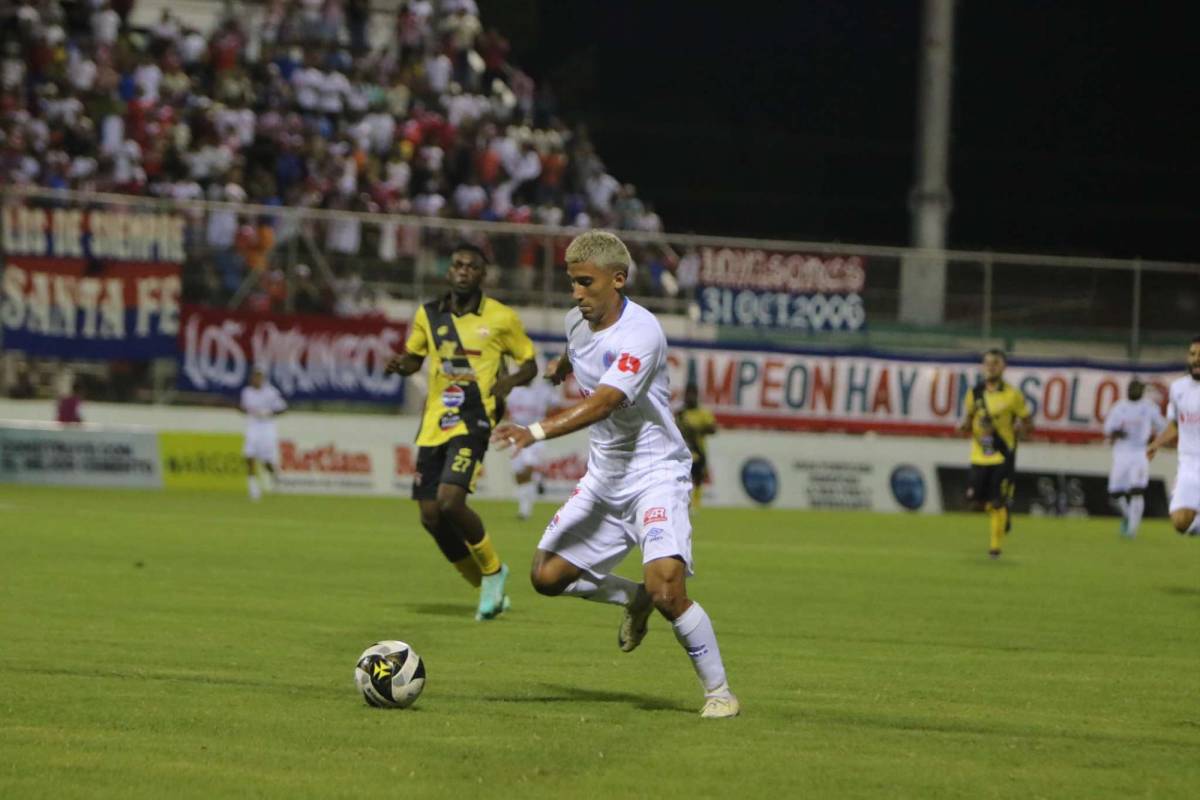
(390, 675)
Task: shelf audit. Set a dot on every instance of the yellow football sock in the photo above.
(996, 519)
(469, 570)
(485, 555)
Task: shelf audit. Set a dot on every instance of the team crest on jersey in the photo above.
(656, 514)
(609, 358)
(453, 397)
(483, 330)
(448, 421)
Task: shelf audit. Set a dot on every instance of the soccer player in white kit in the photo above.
(526, 405)
(1131, 424)
(1183, 422)
(638, 483)
(261, 403)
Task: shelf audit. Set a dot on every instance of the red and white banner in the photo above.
(856, 393)
(306, 357)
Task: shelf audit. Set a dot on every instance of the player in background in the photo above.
(526, 405)
(261, 402)
(696, 424)
(1130, 425)
(1183, 423)
(996, 418)
(466, 336)
(638, 482)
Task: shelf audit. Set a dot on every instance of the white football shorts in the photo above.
(533, 456)
(1129, 471)
(1187, 485)
(261, 444)
(598, 525)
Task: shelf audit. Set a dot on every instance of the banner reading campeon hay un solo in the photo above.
(767, 289)
(894, 394)
(306, 357)
(90, 284)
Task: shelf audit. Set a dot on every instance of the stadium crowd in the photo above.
(304, 103)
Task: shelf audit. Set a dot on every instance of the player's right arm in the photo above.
(1167, 436)
(964, 426)
(415, 348)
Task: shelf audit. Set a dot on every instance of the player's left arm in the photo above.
(526, 372)
(1022, 419)
(517, 345)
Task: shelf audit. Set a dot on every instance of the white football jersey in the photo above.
(1184, 411)
(528, 404)
(1139, 420)
(258, 401)
(630, 355)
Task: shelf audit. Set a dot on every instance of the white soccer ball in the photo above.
(390, 675)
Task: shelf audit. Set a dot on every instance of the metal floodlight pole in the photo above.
(923, 278)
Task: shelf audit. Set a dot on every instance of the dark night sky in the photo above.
(1075, 123)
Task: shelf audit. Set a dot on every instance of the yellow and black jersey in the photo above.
(694, 424)
(465, 356)
(1005, 404)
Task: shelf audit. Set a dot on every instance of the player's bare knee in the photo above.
(451, 504)
(547, 581)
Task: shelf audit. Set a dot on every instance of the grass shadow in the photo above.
(577, 694)
(443, 609)
(1182, 591)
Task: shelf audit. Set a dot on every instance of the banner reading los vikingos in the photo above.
(755, 288)
(306, 357)
(90, 284)
(892, 394)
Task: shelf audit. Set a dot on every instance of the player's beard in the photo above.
(1194, 372)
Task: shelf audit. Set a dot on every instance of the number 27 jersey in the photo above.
(630, 355)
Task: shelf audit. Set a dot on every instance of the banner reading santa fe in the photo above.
(307, 357)
(90, 284)
(894, 394)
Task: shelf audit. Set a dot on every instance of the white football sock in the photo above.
(255, 490)
(1123, 504)
(1194, 528)
(605, 589)
(1137, 505)
(526, 492)
(694, 631)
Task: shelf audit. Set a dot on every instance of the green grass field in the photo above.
(195, 645)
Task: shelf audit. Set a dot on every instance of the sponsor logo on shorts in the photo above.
(576, 490)
(453, 397)
(553, 523)
(448, 421)
(654, 534)
(656, 514)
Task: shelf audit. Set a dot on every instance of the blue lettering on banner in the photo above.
(753, 308)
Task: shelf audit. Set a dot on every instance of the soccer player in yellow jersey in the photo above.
(696, 424)
(996, 418)
(466, 337)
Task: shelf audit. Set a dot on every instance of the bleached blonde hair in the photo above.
(602, 248)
